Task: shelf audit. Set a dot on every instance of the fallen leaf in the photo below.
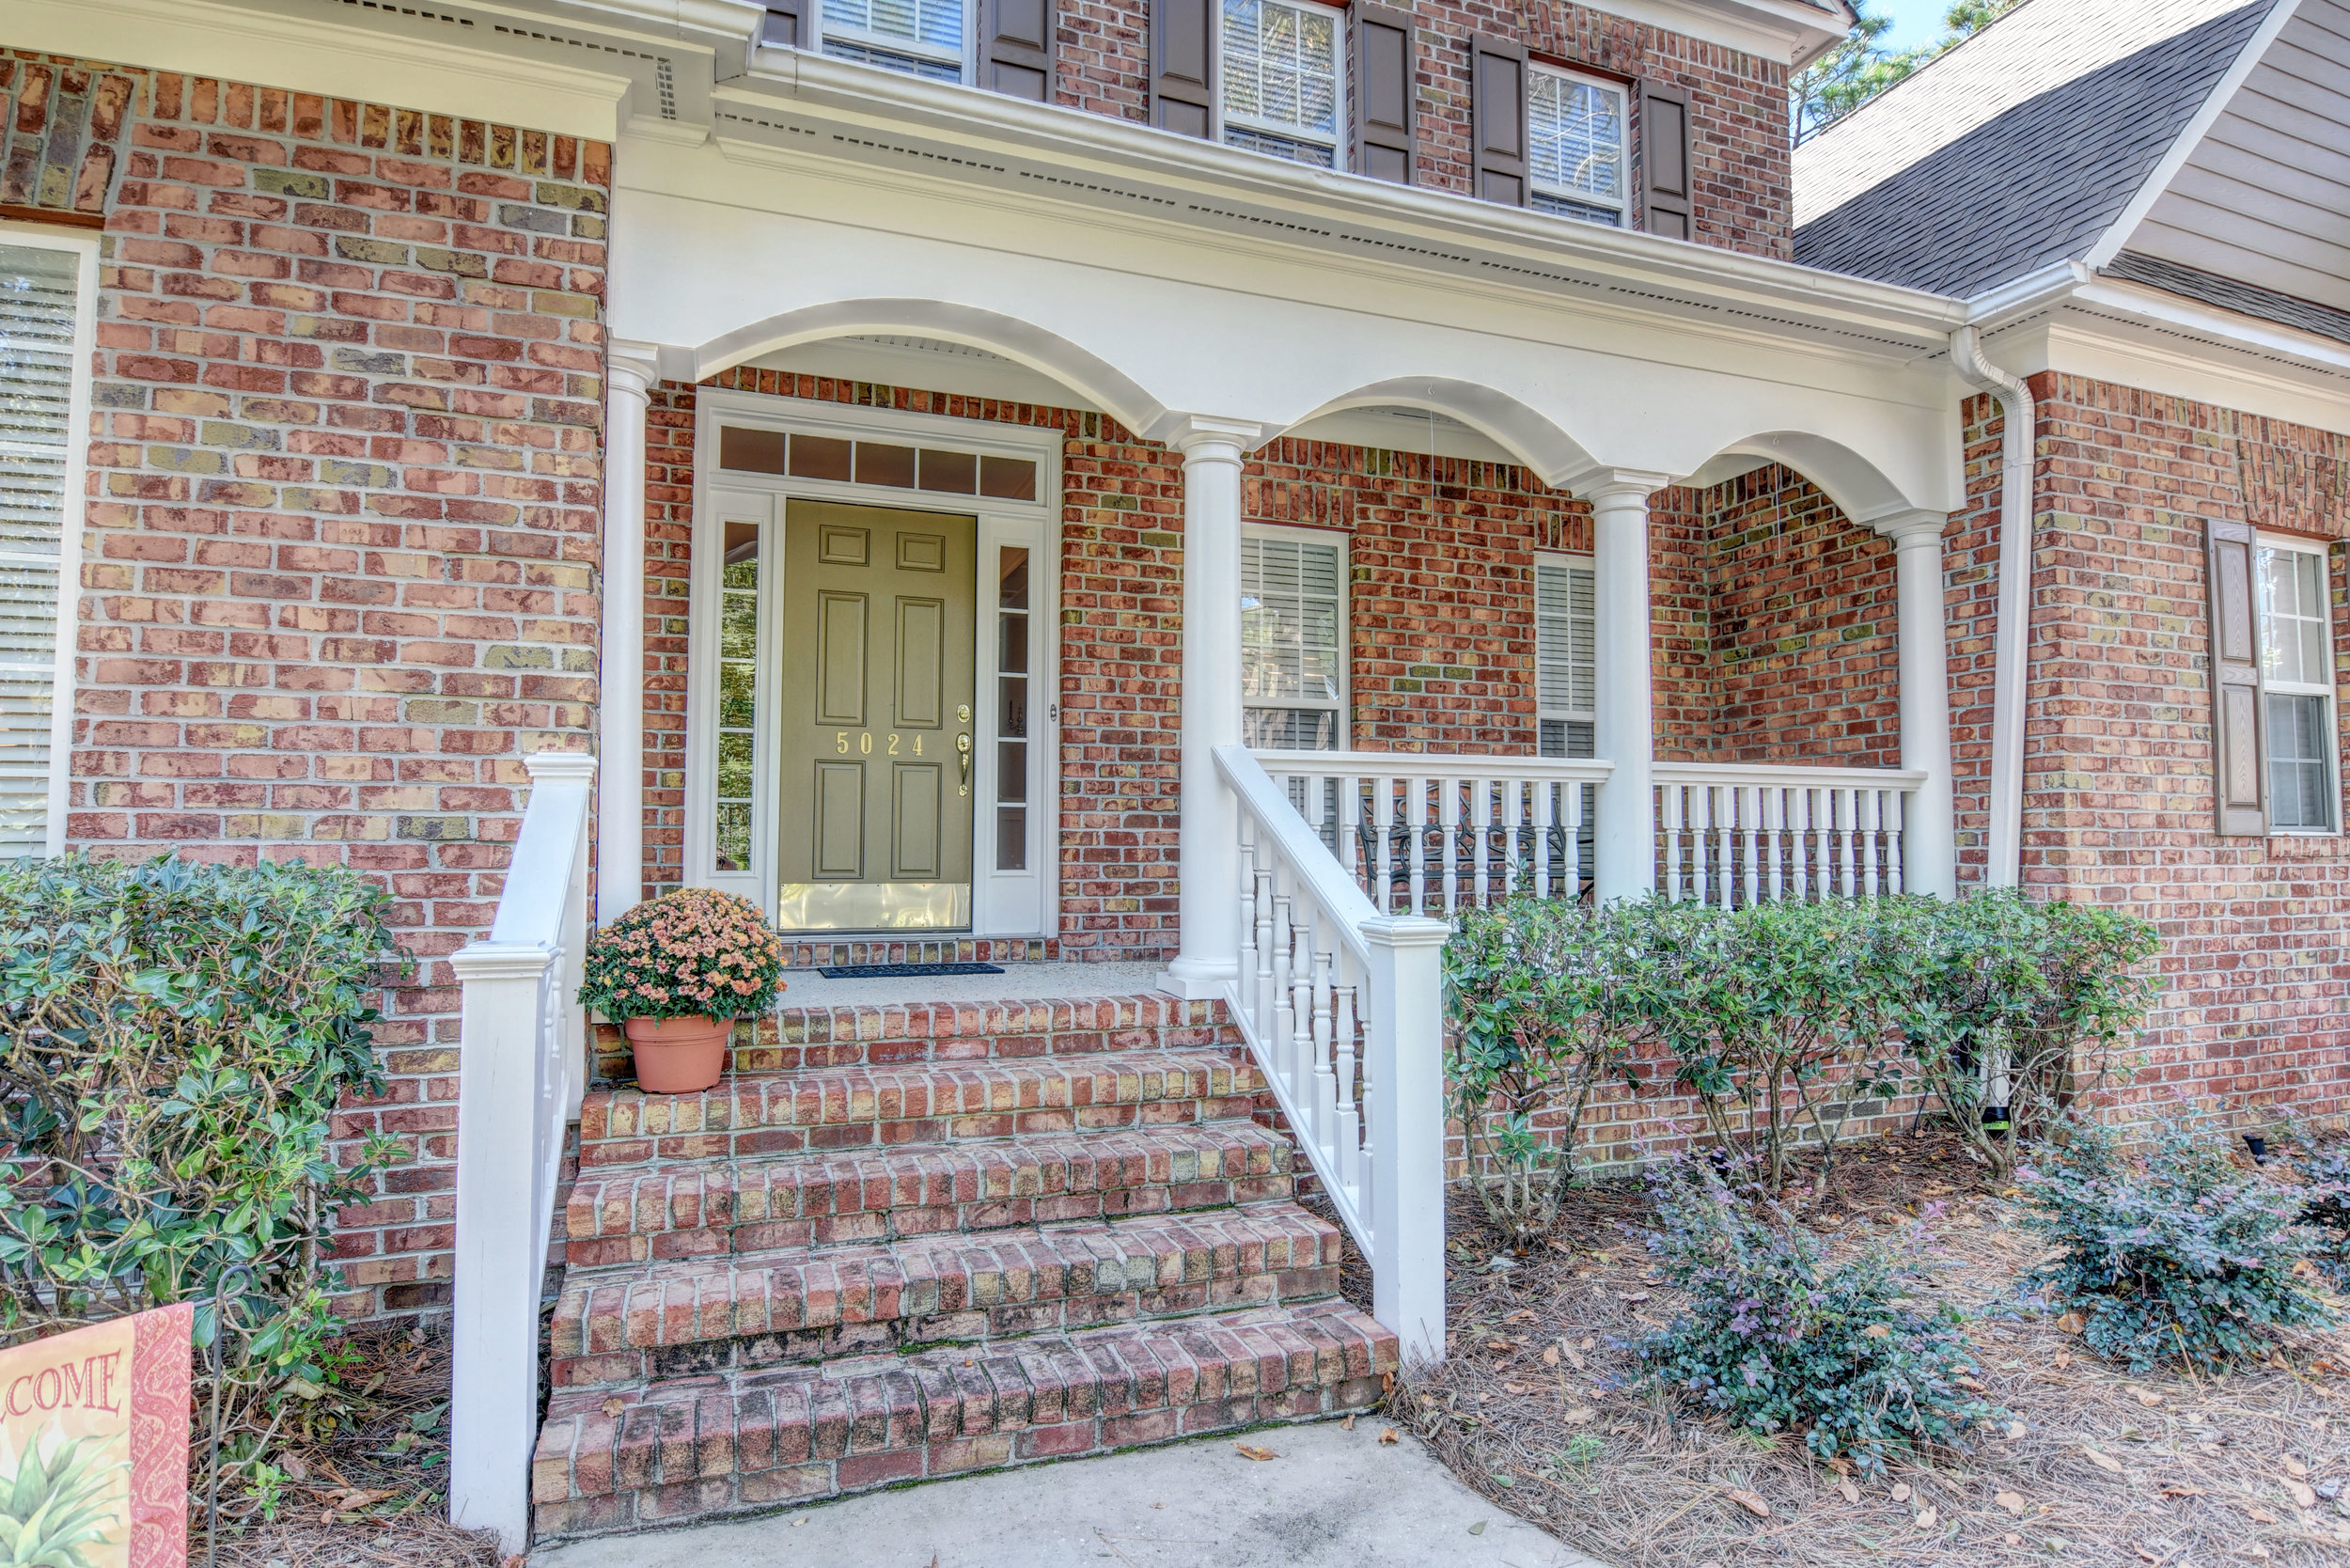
(1387, 1437)
(2144, 1555)
(2301, 1494)
(614, 1406)
(292, 1466)
(2103, 1461)
(1840, 1465)
(1928, 1518)
(1478, 1528)
(1515, 1388)
(1249, 1450)
(2016, 1429)
(1579, 1414)
(1901, 1492)
(798, 1522)
(2180, 1489)
(354, 1498)
(1634, 1296)
(1574, 1359)
(1851, 1493)
(1523, 1315)
(2147, 1397)
(1348, 1425)
(2012, 1502)
(2011, 1540)
(1876, 1331)
(1499, 1346)
(1970, 1385)
(2293, 1468)
(1587, 1342)
(1750, 1502)
(2257, 1514)
(2063, 1359)
(2072, 1322)
(1550, 1356)
(2256, 1549)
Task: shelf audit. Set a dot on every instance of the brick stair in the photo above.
(956, 1237)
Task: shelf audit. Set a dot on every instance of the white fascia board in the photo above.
(1791, 32)
(2024, 296)
(2191, 135)
(459, 74)
(1907, 321)
(2168, 313)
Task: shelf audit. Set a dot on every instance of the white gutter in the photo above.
(2012, 642)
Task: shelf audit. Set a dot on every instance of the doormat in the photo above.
(903, 971)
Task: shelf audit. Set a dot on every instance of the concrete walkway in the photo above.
(1333, 1500)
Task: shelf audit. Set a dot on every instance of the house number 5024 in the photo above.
(864, 744)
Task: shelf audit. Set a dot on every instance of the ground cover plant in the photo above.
(2166, 1249)
(175, 1039)
(1847, 1356)
(1541, 1407)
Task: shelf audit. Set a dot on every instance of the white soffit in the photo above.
(925, 364)
(2265, 196)
(1402, 429)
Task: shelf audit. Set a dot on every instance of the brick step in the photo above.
(851, 1108)
(686, 1318)
(877, 1195)
(612, 1460)
(797, 1037)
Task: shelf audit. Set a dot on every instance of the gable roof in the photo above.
(2018, 149)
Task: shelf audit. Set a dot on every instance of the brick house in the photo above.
(1175, 497)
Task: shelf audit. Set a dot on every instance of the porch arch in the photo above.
(1090, 378)
(1861, 490)
(1531, 437)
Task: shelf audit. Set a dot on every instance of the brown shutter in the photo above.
(1665, 162)
(2235, 684)
(1384, 90)
(1497, 120)
(782, 25)
(1182, 66)
(1016, 48)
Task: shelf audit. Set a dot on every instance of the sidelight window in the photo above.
(2296, 686)
(1282, 88)
(1293, 628)
(1575, 140)
(1014, 677)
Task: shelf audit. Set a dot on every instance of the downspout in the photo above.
(2011, 639)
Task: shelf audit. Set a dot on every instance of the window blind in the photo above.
(1565, 691)
(36, 290)
(1293, 659)
(1281, 80)
(1576, 138)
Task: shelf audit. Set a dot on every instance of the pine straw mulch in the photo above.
(2167, 1469)
(374, 1491)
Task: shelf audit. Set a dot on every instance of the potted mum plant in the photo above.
(676, 972)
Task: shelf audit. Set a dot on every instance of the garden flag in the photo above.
(94, 1444)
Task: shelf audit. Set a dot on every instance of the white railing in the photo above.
(1425, 834)
(1342, 1009)
(522, 1066)
(1735, 834)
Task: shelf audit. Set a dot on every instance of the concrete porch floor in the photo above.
(1020, 982)
(1334, 1498)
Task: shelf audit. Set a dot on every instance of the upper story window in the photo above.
(1293, 636)
(44, 311)
(922, 38)
(1565, 656)
(1282, 84)
(1575, 146)
(2297, 682)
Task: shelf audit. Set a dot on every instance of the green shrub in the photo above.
(2173, 1254)
(2324, 1168)
(1529, 989)
(174, 1041)
(1775, 1011)
(692, 952)
(1777, 1337)
(2011, 1004)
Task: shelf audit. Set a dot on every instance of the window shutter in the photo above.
(1497, 120)
(782, 26)
(1384, 90)
(1016, 48)
(35, 386)
(2242, 798)
(1182, 66)
(1665, 162)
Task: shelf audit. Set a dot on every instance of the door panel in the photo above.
(877, 693)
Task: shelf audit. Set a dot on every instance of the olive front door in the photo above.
(877, 687)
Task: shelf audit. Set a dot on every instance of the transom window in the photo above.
(2297, 675)
(1575, 135)
(922, 38)
(1293, 638)
(1281, 83)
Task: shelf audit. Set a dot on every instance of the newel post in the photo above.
(500, 1256)
(1407, 1107)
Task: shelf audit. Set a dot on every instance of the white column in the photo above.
(1929, 830)
(1625, 833)
(1208, 830)
(630, 371)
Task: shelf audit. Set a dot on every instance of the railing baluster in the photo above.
(1349, 1127)
(1481, 825)
(1416, 801)
(1897, 812)
(1750, 809)
(1325, 1096)
(1247, 968)
(1671, 796)
(1263, 1010)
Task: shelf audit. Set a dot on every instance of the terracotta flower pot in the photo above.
(679, 1056)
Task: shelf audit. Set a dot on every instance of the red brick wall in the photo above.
(2118, 803)
(339, 575)
(1737, 102)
